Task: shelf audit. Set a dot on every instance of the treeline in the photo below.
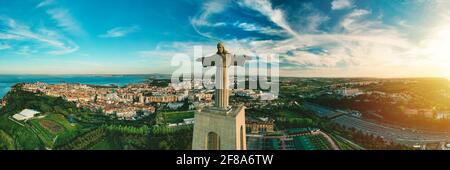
(85, 141)
(143, 130)
(374, 142)
(179, 138)
(162, 138)
(117, 135)
(6, 142)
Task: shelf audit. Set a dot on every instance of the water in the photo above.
(6, 81)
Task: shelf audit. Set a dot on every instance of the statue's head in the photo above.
(221, 48)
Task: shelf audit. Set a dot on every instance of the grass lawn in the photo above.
(6, 141)
(44, 134)
(21, 136)
(54, 129)
(71, 130)
(50, 131)
(176, 117)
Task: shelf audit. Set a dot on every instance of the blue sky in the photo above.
(381, 38)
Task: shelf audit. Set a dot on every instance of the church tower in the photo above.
(221, 127)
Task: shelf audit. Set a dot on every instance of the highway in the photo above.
(388, 132)
(320, 111)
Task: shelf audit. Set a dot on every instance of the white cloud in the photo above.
(356, 43)
(357, 22)
(208, 9)
(45, 3)
(341, 4)
(42, 40)
(4, 46)
(4, 36)
(169, 49)
(202, 18)
(64, 20)
(24, 50)
(265, 7)
(308, 19)
(120, 31)
(314, 21)
(256, 28)
(275, 15)
(358, 13)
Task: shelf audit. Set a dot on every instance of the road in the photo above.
(390, 133)
(320, 111)
(331, 141)
(393, 133)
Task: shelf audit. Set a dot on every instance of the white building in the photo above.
(349, 92)
(443, 115)
(175, 105)
(127, 114)
(188, 121)
(25, 114)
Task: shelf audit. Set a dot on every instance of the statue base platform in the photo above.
(219, 129)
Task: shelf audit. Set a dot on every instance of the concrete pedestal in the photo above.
(220, 129)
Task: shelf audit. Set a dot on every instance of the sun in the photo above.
(437, 49)
(439, 45)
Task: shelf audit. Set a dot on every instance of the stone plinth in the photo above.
(222, 127)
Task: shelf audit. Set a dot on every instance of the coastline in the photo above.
(7, 81)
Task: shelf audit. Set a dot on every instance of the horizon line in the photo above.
(137, 74)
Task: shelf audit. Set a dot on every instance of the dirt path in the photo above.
(330, 140)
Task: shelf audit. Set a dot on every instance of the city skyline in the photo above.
(334, 38)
